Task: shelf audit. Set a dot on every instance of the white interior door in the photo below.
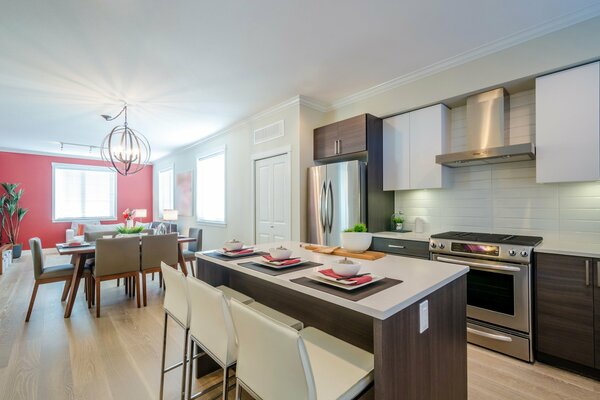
(272, 199)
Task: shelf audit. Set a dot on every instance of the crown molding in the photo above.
(517, 38)
(314, 104)
(52, 154)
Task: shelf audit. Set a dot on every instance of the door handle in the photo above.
(479, 265)
(330, 209)
(587, 272)
(396, 246)
(598, 273)
(501, 338)
(323, 199)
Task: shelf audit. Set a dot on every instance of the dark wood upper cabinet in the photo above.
(565, 308)
(341, 138)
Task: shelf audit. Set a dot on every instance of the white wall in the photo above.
(240, 152)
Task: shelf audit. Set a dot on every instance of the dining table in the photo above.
(80, 253)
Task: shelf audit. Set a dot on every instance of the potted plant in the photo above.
(397, 221)
(128, 215)
(356, 239)
(12, 215)
(130, 231)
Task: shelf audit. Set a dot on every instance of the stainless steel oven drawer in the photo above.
(410, 248)
(495, 339)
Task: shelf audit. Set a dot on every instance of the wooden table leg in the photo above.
(181, 259)
(78, 263)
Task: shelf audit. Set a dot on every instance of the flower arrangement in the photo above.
(130, 230)
(128, 215)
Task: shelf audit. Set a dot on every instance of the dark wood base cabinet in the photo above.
(567, 312)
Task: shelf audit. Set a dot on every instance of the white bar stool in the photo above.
(277, 362)
(211, 328)
(176, 306)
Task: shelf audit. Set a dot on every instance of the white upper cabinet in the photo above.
(410, 143)
(568, 125)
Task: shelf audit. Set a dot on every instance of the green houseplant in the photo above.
(12, 215)
(123, 230)
(356, 239)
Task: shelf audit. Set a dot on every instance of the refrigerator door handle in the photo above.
(330, 207)
(323, 207)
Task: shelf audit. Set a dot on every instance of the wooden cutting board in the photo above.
(367, 255)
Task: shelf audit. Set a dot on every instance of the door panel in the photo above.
(316, 204)
(325, 141)
(344, 186)
(596, 280)
(396, 152)
(272, 199)
(352, 134)
(564, 308)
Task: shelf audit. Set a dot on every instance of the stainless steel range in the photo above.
(498, 287)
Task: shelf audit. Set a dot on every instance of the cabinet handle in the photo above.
(335, 147)
(340, 146)
(396, 246)
(587, 272)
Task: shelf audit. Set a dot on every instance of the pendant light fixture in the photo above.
(123, 149)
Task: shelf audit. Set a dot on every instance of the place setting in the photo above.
(234, 249)
(346, 278)
(279, 261)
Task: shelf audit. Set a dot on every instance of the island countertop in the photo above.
(420, 278)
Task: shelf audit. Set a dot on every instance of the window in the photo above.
(210, 188)
(165, 190)
(83, 191)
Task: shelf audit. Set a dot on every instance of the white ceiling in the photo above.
(191, 68)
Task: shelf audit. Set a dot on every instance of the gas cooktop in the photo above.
(490, 238)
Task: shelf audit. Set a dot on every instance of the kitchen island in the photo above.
(416, 357)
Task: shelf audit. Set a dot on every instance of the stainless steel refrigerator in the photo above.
(336, 200)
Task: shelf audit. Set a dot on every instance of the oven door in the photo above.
(497, 292)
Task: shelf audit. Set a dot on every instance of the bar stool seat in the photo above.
(276, 315)
(341, 371)
(234, 294)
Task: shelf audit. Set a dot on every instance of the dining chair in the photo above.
(157, 249)
(189, 255)
(211, 327)
(48, 274)
(278, 362)
(93, 236)
(117, 258)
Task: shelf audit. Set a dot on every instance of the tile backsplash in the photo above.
(504, 198)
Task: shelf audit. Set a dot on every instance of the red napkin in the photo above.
(240, 251)
(72, 244)
(282, 262)
(357, 281)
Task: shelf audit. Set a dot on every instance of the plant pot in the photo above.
(356, 242)
(399, 226)
(16, 250)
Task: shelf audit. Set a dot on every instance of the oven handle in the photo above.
(479, 265)
(501, 338)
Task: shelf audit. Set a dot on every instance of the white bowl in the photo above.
(344, 269)
(233, 245)
(280, 253)
(356, 242)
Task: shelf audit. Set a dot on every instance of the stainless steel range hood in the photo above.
(487, 121)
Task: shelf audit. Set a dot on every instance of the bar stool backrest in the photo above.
(210, 321)
(272, 359)
(176, 295)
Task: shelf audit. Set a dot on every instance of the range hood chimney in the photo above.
(487, 123)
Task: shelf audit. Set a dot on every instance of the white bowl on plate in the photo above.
(346, 267)
(280, 253)
(233, 245)
(356, 242)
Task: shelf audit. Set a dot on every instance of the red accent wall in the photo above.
(34, 173)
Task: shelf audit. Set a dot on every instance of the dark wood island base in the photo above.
(408, 364)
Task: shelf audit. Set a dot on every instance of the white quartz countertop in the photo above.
(420, 278)
(569, 248)
(421, 237)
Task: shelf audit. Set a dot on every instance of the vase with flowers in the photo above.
(128, 215)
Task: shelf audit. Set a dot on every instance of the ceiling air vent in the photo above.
(268, 132)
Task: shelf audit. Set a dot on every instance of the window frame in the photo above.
(84, 167)
(203, 156)
(166, 168)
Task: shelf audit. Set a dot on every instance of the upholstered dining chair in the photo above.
(49, 274)
(117, 258)
(189, 255)
(157, 249)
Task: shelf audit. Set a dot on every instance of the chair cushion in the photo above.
(234, 294)
(341, 370)
(57, 271)
(278, 316)
(189, 255)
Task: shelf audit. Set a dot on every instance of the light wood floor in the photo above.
(118, 355)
